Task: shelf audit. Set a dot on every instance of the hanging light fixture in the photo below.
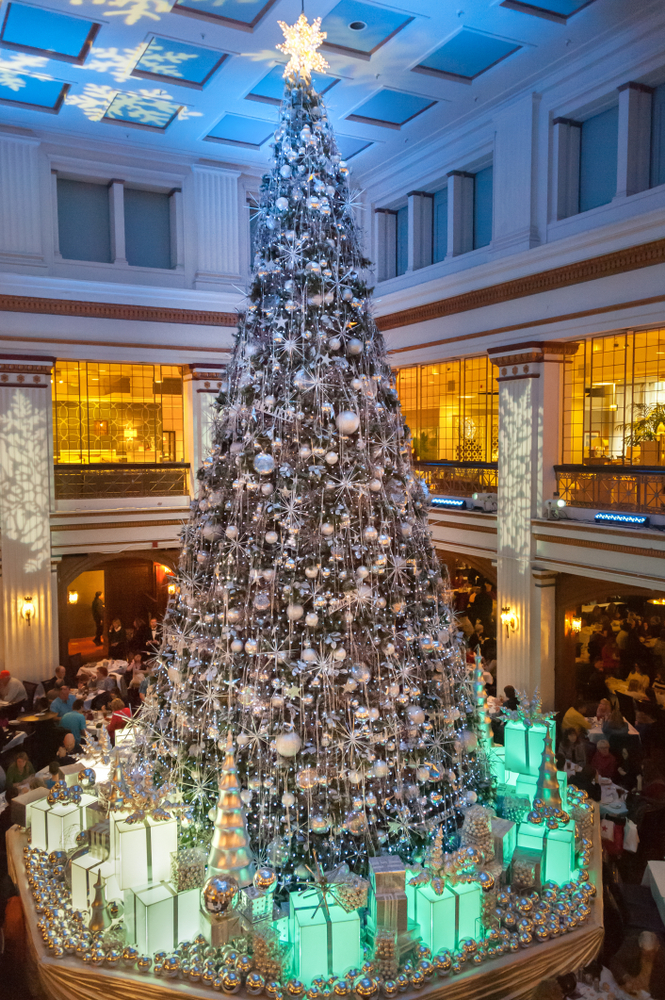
(72, 597)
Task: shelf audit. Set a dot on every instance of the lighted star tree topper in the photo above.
(302, 41)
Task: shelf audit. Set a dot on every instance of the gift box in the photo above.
(524, 745)
(158, 918)
(255, 905)
(387, 873)
(326, 941)
(436, 917)
(504, 836)
(142, 851)
(468, 908)
(526, 786)
(99, 840)
(20, 806)
(85, 870)
(71, 773)
(95, 813)
(219, 931)
(497, 763)
(557, 848)
(526, 869)
(389, 910)
(54, 828)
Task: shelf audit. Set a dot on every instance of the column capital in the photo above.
(528, 353)
(28, 371)
(208, 377)
(631, 85)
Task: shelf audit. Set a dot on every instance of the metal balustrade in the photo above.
(92, 482)
(459, 478)
(619, 487)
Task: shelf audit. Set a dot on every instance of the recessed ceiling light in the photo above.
(357, 25)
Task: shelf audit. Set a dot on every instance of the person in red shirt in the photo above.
(603, 761)
(119, 719)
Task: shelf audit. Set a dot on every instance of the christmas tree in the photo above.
(311, 620)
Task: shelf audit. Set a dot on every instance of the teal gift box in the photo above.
(326, 942)
(524, 744)
(435, 916)
(557, 846)
(158, 918)
(468, 907)
(526, 785)
(497, 762)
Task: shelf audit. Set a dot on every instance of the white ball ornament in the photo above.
(415, 714)
(332, 458)
(334, 343)
(285, 170)
(267, 489)
(339, 654)
(379, 769)
(327, 529)
(294, 612)
(288, 744)
(271, 537)
(311, 619)
(282, 204)
(264, 464)
(237, 646)
(347, 422)
(231, 531)
(375, 485)
(308, 655)
(354, 346)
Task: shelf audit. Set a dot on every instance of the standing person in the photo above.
(155, 639)
(98, 617)
(117, 640)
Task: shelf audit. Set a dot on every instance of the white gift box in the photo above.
(85, 870)
(21, 805)
(158, 918)
(54, 828)
(142, 851)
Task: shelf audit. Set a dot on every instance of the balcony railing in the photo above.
(92, 482)
(621, 487)
(460, 479)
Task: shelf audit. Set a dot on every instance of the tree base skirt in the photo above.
(510, 977)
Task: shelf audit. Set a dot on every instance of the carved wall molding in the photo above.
(23, 371)
(112, 310)
(586, 543)
(617, 262)
(534, 352)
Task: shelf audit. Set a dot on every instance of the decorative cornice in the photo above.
(585, 543)
(617, 262)
(113, 525)
(113, 310)
(21, 371)
(509, 360)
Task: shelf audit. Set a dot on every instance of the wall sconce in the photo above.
(28, 610)
(509, 619)
(72, 597)
(576, 625)
(172, 588)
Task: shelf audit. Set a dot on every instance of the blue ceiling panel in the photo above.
(361, 28)
(242, 14)
(145, 112)
(27, 91)
(236, 130)
(551, 10)
(349, 146)
(466, 55)
(270, 89)
(180, 62)
(391, 108)
(58, 36)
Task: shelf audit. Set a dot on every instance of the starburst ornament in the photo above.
(302, 41)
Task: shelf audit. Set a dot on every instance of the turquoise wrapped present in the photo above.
(326, 940)
(468, 908)
(524, 745)
(557, 846)
(435, 916)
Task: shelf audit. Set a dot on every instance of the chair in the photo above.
(30, 688)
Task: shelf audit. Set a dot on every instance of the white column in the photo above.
(20, 201)
(634, 152)
(530, 379)
(201, 384)
(117, 221)
(543, 602)
(216, 200)
(420, 212)
(29, 651)
(54, 215)
(177, 230)
(460, 213)
(566, 168)
(515, 188)
(385, 241)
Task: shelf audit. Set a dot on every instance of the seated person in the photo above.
(596, 687)
(104, 682)
(120, 717)
(604, 761)
(587, 780)
(573, 750)
(66, 750)
(42, 705)
(574, 718)
(54, 774)
(510, 700)
(604, 710)
(64, 702)
(18, 772)
(74, 721)
(638, 679)
(653, 782)
(629, 771)
(56, 681)
(11, 689)
(615, 724)
(134, 699)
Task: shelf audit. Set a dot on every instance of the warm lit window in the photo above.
(614, 401)
(106, 412)
(452, 409)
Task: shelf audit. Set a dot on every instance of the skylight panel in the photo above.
(360, 29)
(270, 89)
(391, 109)
(236, 130)
(28, 92)
(466, 55)
(179, 62)
(144, 112)
(551, 10)
(47, 33)
(241, 14)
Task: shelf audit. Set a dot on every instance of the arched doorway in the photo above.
(133, 584)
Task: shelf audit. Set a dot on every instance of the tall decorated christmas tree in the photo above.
(311, 622)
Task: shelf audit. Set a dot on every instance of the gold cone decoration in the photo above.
(230, 854)
(547, 789)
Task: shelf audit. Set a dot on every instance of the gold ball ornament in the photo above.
(208, 977)
(341, 988)
(442, 964)
(171, 966)
(143, 964)
(130, 956)
(389, 988)
(113, 957)
(417, 979)
(231, 981)
(255, 984)
(402, 982)
(366, 988)
(265, 879)
(294, 989)
(244, 964)
(219, 895)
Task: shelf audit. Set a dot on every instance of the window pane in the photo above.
(482, 208)
(147, 228)
(402, 239)
(108, 412)
(84, 229)
(440, 225)
(598, 159)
